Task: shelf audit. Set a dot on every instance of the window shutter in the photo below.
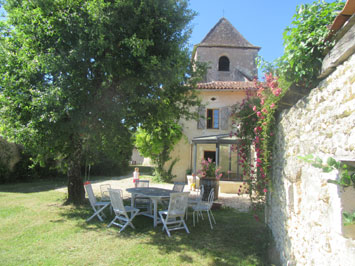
(224, 118)
(201, 123)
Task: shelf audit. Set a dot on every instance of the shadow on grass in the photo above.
(237, 238)
(50, 184)
(61, 182)
(34, 186)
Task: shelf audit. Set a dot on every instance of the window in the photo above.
(213, 118)
(223, 63)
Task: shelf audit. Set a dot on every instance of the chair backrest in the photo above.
(177, 204)
(90, 193)
(142, 183)
(202, 191)
(211, 197)
(116, 200)
(104, 191)
(178, 186)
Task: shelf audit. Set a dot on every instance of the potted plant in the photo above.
(209, 177)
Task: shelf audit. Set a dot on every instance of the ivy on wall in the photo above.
(305, 44)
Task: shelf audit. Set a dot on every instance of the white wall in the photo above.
(183, 150)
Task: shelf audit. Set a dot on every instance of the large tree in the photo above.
(86, 72)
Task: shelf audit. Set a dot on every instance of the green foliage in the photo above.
(348, 218)
(347, 174)
(305, 42)
(4, 173)
(162, 175)
(79, 75)
(157, 143)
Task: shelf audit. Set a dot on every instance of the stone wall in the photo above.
(304, 211)
(241, 59)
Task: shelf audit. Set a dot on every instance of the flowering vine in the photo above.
(254, 124)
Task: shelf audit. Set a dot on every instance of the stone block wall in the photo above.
(304, 211)
(241, 59)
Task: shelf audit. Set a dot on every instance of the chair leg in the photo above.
(213, 217)
(97, 213)
(201, 213)
(133, 214)
(209, 218)
(193, 217)
(124, 226)
(185, 226)
(165, 227)
(131, 225)
(114, 219)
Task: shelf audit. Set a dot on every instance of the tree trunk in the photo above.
(76, 192)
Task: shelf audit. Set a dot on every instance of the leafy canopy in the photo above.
(157, 144)
(305, 43)
(81, 73)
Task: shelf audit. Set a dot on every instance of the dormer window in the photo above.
(223, 63)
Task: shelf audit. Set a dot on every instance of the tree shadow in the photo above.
(50, 184)
(236, 238)
(34, 186)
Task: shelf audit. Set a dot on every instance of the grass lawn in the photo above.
(36, 229)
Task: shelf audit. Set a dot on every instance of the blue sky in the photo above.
(261, 22)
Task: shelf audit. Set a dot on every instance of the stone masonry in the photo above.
(304, 211)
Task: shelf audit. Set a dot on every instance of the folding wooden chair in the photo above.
(178, 187)
(105, 196)
(194, 201)
(205, 206)
(173, 218)
(143, 202)
(121, 217)
(97, 206)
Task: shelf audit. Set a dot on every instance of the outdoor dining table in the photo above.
(154, 193)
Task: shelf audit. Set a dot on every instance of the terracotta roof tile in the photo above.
(226, 85)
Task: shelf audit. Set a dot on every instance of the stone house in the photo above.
(304, 211)
(232, 67)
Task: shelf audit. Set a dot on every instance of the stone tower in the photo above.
(229, 55)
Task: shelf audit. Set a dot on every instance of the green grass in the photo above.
(36, 229)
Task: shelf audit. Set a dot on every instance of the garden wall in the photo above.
(304, 211)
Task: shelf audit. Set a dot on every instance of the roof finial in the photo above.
(223, 13)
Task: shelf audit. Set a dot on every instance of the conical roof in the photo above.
(223, 34)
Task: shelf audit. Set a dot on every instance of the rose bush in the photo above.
(255, 122)
(209, 169)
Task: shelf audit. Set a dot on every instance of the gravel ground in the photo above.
(241, 203)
